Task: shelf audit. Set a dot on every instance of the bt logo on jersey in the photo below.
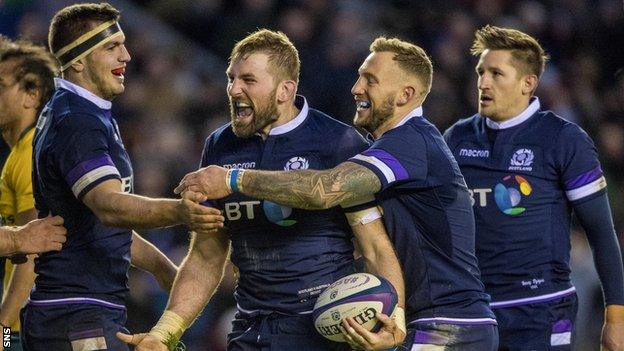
(509, 194)
(278, 214)
(275, 213)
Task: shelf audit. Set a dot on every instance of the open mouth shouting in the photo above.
(243, 110)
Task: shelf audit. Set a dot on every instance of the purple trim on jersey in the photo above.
(584, 179)
(85, 334)
(86, 166)
(456, 321)
(76, 300)
(532, 300)
(562, 326)
(400, 173)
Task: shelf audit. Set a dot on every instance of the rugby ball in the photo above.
(360, 296)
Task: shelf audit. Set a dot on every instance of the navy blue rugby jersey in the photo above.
(285, 256)
(524, 174)
(77, 146)
(428, 215)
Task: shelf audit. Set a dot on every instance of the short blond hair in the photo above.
(411, 58)
(283, 56)
(525, 49)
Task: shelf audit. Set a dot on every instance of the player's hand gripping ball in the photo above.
(360, 296)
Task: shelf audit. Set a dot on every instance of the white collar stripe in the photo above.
(295, 122)
(82, 92)
(417, 112)
(533, 107)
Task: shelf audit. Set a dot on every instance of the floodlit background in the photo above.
(175, 94)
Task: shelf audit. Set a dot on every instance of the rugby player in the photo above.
(82, 172)
(529, 169)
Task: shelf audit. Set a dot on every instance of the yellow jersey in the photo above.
(16, 193)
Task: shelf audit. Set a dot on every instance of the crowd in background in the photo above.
(175, 93)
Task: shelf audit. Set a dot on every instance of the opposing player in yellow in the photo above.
(26, 83)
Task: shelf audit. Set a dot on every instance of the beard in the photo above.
(377, 116)
(262, 117)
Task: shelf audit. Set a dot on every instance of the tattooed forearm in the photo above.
(344, 184)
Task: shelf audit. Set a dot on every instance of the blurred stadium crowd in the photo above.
(175, 93)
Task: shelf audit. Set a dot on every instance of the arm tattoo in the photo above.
(312, 190)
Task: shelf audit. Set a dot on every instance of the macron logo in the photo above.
(474, 153)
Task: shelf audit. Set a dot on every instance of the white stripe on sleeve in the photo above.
(92, 176)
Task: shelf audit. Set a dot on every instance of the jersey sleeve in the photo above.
(21, 181)
(395, 159)
(579, 167)
(83, 159)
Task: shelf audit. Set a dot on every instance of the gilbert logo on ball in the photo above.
(359, 296)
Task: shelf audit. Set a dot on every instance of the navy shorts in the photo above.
(435, 336)
(276, 332)
(74, 327)
(541, 326)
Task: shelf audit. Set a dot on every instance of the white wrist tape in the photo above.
(364, 216)
(169, 329)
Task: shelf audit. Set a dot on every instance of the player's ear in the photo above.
(408, 93)
(32, 96)
(286, 90)
(78, 66)
(529, 84)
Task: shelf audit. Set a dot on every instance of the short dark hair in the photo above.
(35, 66)
(69, 23)
(525, 49)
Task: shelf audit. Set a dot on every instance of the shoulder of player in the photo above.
(223, 139)
(221, 134)
(550, 121)
(326, 122)
(408, 135)
(463, 126)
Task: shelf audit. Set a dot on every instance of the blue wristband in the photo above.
(232, 180)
